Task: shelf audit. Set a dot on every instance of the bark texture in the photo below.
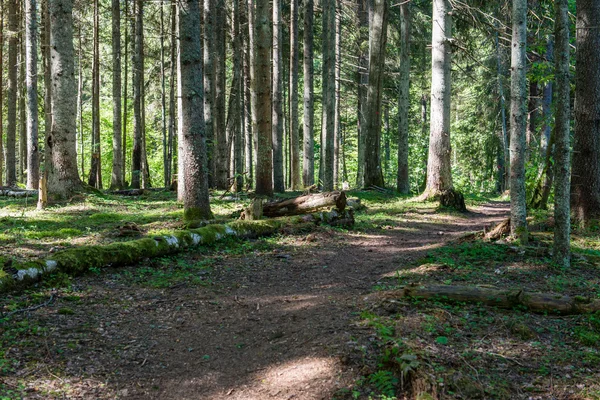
(195, 199)
(585, 183)
(402, 182)
(209, 86)
(31, 58)
(518, 113)
(1, 95)
(63, 178)
(562, 149)
(296, 177)
(138, 82)
(308, 166)
(328, 119)
(222, 150)
(117, 162)
(439, 172)
(11, 94)
(305, 204)
(363, 78)
(95, 178)
(277, 93)
(261, 87)
(377, 41)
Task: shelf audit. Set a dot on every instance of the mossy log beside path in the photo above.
(549, 303)
(78, 260)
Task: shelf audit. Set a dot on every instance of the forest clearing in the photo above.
(298, 199)
(300, 314)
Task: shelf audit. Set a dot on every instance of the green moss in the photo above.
(59, 234)
(196, 213)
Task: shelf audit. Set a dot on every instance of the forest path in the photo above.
(272, 324)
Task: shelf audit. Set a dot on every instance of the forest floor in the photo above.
(299, 316)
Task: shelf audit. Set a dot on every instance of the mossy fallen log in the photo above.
(305, 204)
(549, 303)
(78, 260)
(16, 192)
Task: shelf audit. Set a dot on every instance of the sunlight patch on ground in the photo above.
(296, 376)
(66, 387)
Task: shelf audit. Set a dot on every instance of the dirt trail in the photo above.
(276, 327)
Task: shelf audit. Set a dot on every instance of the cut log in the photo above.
(549, 303)
(7, 191)
(128, 192)
(305, 204)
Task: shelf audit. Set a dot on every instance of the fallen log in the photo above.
(550, 303)
(305, 204)
(6, 191)
(128, 192)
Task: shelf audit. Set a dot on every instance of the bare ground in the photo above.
(270, 323)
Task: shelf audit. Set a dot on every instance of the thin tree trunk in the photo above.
(95, 178)
(296, 177)
(80, 99)
(585, 178)
(308, 166)
(238, 63)
(163, 97)
(33, 162)
(363, 78)
(261, 99)
(1, 94)
(562, 153)
(63, 179)
(209, 88)
(125, 96)
(138, 82)
(172, 116)
(22, 97)
(337, 124)
(47, 88)
(277, 89)
(11, 114)
(248, 44)
(518, 110)
(377, 41)
(181, 152)
(439, 174)
(504, 179)
(117, 162)
(328, 118)
(196, 200)
(222, 149)
(402, 182)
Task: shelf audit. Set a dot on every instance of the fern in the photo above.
(385, 382)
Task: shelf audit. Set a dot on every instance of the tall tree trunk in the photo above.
(585, 178)
(308, 166)
(504, 165)
(328, 118)
(95, 178)
(47, 87)
(296, 177)
(518, 111)
(138, 83)
(439, 172)
(163, 97)
(402, 182)
(172, 116)
(363, 78)
(1, 95)
(180, 139)
(80, 98)
(22, 97)
(377, 42)
(222, 150)
(11, 115)
(249, 146)
(125, 97)
(196, 201)
(261, 99)
(33, 162)
(238, 77)
(337, 124)
(562, 156)
(277, 89)
(209, 87)
(63, 179)
(117, 162)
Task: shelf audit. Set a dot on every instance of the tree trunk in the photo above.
(261, 99)
(33, 162)
(163, 99)
(125, 98)
(248, 56)
(337, 122)
(328, 95)
(439, 172)
(305, 204)
(209, 87)
(402, 182)
(363, 78)
(308, 166)
(222, 150)
(80, 98)
(518, 110)
(377, 41)
(22, 96)
(195, 173)
(562, 150)
(585, 178)
(296, 178)
(180, 139)
(1, 94)
(95, 179)
(172, 116)
(11, 114)
(504, 165)
(117, 162)
(47, 88)
(238, 63)
(277, 89)
(138, 82)
(63, 179)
